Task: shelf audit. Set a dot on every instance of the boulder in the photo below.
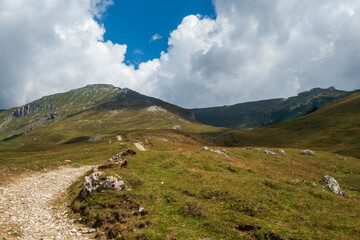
(91, 183)
(113, 183)
(333, 185)
(307, 152)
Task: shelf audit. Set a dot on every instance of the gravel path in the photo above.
(26, 207)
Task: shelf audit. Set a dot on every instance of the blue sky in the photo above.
(135, 22)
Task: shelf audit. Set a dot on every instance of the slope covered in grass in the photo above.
(191, 193)
(334, 127)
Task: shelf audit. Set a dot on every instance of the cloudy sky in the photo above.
(233, 51)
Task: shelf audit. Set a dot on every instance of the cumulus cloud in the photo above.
(254, 49)
(155, 37)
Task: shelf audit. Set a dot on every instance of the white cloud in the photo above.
(254, 49)
(155, 37)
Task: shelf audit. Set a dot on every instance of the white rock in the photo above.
(333, 185)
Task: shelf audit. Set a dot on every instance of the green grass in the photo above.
(208, 196)
(334, 127)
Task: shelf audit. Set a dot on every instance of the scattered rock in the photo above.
(307, 152)
(205, 148)
(282, 151)
(333, 185)
(119, 137)
(268, 152)
(67, 161)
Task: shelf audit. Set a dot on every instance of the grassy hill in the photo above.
(266, 112)
(334, 127)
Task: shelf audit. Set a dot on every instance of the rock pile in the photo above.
(307, 152)
(333, 185)
(92, 183)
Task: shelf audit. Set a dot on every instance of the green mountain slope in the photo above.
(24, 119)
(334, 126)
(95, 110)
(263, 113)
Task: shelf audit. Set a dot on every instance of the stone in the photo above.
(281, 151)
(333, 185)
(307, 152)
(91, 183)
(67, 161)
(113, 183)
(248, 148)
(262, 150)
(205, 148)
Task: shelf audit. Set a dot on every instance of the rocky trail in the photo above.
(27, 209)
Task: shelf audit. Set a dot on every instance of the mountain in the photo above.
(92, 110)
(334, 127)
(263, 113)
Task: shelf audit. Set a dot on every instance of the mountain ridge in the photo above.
(262, 113)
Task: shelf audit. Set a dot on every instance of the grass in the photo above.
(207, 196)
(334, 127)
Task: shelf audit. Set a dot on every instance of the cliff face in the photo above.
(31, 108)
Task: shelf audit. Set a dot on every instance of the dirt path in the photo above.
(26, 207)
(140, 146)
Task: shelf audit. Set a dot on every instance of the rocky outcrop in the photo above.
(307, 152)
(333, 185)
(31, 108)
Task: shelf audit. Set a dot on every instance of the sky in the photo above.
(198, 54)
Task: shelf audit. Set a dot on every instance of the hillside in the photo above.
(334, 127)
(95, 110)
(266, 112)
